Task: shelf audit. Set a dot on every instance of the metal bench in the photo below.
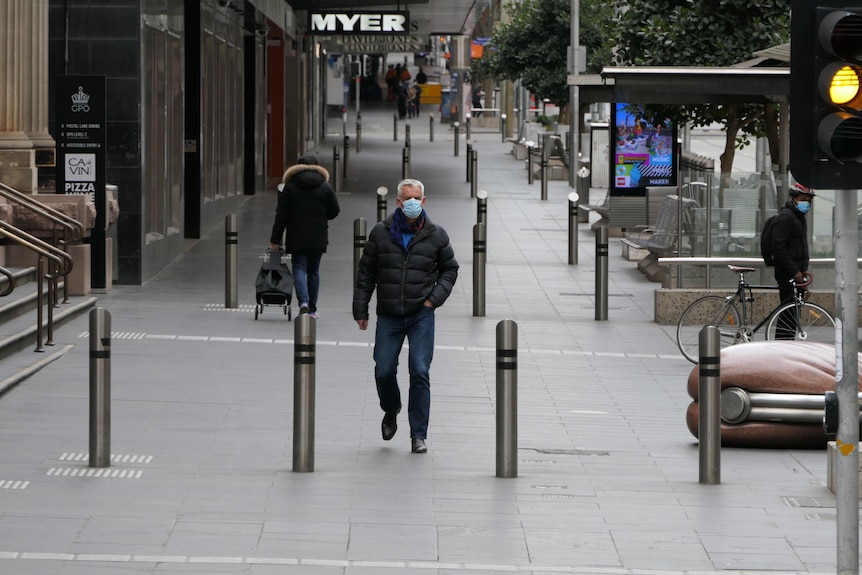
(661, 239)
(602, 208)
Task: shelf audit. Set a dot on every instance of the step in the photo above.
(20, 365)
(21, 355)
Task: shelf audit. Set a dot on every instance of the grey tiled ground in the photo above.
(202, 407)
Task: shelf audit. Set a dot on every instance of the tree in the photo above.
(532, 45)
(706, 33)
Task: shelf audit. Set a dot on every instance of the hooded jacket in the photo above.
(305, 206)
(790, 241)
(404, 278)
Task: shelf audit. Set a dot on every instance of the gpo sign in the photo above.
(397, 22)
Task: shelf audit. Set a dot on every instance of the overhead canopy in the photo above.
(684, 85)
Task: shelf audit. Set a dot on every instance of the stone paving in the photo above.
(202, 476)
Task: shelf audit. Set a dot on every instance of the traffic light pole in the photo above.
(846, 384)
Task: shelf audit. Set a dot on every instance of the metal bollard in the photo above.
(381, 203)
(304, 352)
(544, 164)
(457, 126)
(100, 388)
(503, 128)
(335, 161)
(346, 154)
(602, 273)
(584, 192)
(431, 127)
(474, 164)
(231, 241)
(573, 228)
(359, 239)
(407, 135)
(479, 257)
(530, 165)
(469, 160)
(358, 133)
(482, 207)
(709, 408)
(507, 399)
(405, 162)
(468, 126)
(40, 302)
(395, 128)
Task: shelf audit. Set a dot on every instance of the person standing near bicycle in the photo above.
(790, 249)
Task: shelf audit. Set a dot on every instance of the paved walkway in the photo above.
(201, 422)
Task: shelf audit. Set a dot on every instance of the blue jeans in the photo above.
(306, 278)
(419, 331)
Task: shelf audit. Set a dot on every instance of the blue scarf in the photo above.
(401, 228)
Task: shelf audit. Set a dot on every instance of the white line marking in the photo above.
(347, 564)
(471, 349)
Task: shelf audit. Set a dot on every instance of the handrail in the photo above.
(73, 230)
(9, 276)
(701, 260)
(63, 262)
(65, 221)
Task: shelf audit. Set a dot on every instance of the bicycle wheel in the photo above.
(708, 310)
(815, 323)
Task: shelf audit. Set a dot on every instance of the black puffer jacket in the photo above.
(305, 206)
(427, 270)
(790, 242)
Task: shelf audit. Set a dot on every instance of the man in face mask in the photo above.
(410, 262)
(790, 248)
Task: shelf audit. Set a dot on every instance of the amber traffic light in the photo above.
(826, 94)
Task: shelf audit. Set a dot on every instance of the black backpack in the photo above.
(766, 240)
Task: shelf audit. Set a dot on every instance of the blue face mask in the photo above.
(412, 208)
(803, 207)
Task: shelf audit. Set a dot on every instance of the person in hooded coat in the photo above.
(306, 203)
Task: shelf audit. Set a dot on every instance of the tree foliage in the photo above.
(532, 45)
(705, 33)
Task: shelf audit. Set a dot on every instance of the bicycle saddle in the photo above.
(738, 269)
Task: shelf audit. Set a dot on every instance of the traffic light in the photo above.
(826, 93)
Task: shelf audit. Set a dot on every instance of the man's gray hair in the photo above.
(411, 182)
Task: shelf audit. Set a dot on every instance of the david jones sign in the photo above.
(359, 22)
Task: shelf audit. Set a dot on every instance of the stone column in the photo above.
(24, 97)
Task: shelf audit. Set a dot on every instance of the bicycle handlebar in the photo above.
(807, 278)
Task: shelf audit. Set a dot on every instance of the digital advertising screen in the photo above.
(643, 148)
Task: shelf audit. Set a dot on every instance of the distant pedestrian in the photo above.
(391, 80)
(421, 78)
(477, 102)
(402, 95)
(404, 74)
(411, 100)
(417, 97)
(410, 262)
(306, 203)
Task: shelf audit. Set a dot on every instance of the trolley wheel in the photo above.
(289, 313)
(257, 310)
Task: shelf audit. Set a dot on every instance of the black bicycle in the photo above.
(798, 320)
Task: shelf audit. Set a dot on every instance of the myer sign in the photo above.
(358, 22)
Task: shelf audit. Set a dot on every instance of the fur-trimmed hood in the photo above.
(296, 173)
